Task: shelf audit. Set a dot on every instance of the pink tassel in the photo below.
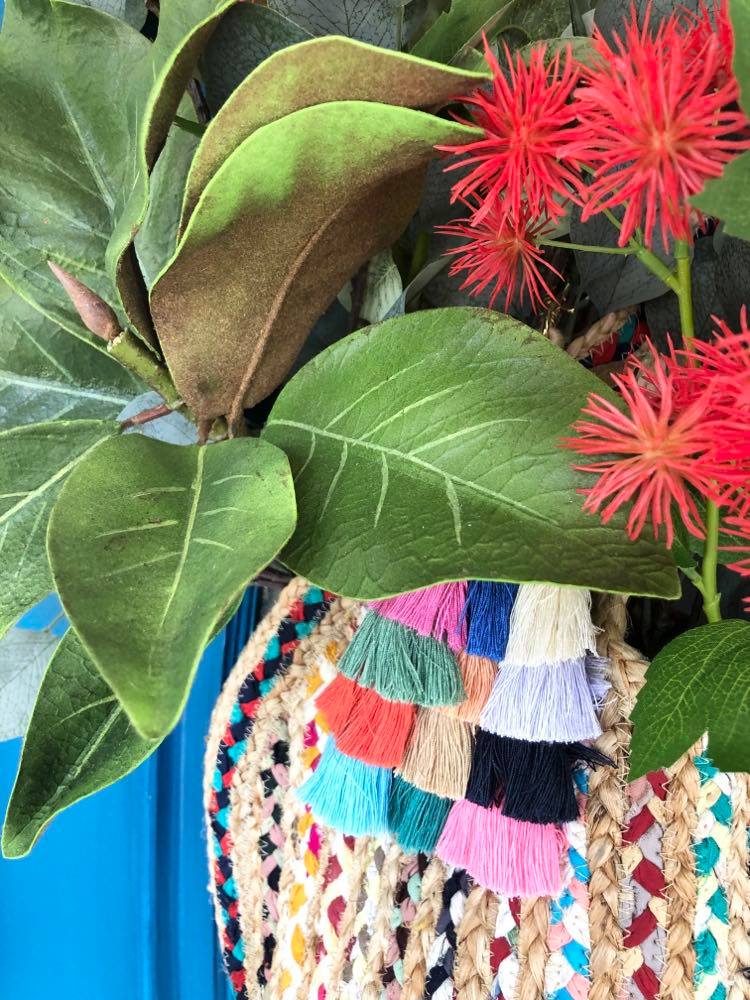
(503, 855)
(434, 611)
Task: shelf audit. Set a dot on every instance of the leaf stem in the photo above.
(685, 292)
(711, 595)
(622, 251)
(134, 354)
(194, 128)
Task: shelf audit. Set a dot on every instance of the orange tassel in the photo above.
(478, 674)
(366, 725)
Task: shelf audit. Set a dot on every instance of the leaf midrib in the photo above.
(428, 466)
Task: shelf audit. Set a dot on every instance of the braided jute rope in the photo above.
(606, 805)
(532, 949)
(361, 859)
(378, 945)
(679, 875)
(738, 884)
(473, 975)
(422, 937)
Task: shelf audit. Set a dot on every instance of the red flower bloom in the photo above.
(714, 21)
(655, 454)
(503, 249)
(654, 124)
(525, 120)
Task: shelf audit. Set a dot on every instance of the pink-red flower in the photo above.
(655, 457)
(502, 249)
(525, 119)
(655, 122)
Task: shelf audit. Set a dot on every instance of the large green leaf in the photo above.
(73, 176)
(45, 374)
(34, 462)
(79, 740)
(291, 214)
(24, 655)
(378, 22)
(316, 72)
(175, 534)
(460, 27)
(428, 449)
(699, 683)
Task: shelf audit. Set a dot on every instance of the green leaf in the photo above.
(34, 462)
(318, 72)
(699, 683)
(428, 449)
(373, 21)
(247, 35)
(132, 12)
(728, 197)
(45, 374)
(539, 20)
(290, 215)
(461, 28)
(79, 741)
(175, 534)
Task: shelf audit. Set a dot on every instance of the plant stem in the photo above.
(622, 251)
(194, 128)
(711, 595)
(657, 266)
(133, 354)
(685, 292)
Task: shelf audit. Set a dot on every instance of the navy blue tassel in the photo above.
(488, 607)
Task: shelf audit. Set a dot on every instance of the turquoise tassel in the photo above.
(347, 794)
(416, 818)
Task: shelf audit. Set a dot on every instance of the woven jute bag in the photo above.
(656, 900)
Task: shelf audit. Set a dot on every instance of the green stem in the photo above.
(685, 292)
(711, 595)
(623, 251)
(134, 355)
(657, 266)
(195, 128)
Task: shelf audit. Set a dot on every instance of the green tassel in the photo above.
(402, 665)
(416, 818)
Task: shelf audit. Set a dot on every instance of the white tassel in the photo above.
(550, 624)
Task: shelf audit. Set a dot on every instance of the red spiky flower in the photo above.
(654, 455)
(655, 123)
(502, 248)
(525, 119)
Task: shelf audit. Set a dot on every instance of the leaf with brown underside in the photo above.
(315, 72)
(290, 216)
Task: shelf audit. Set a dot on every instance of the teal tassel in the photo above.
(347, 794)
(402, 665)
(416, 818)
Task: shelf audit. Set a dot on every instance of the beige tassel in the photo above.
(438, 757)
(549, 624)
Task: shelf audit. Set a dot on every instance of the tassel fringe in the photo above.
(402, 665)
(549, 625)
(488, 608)
(551, 702)
(478, 674)
(347, 794)
(433, 611)
(416, 818)
(438, 757)
(365, 725)
(502, 854)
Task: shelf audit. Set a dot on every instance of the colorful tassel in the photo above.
(488, 609)
(478, 674)
(402, 665)
(369, 727)
(549, 625)
(347, 794)
(533, 779)
(416, 818)
(438, 757)
(503, 855)
(433, 611)
(551, 702)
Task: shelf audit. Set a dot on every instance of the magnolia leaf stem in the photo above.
(134, 354)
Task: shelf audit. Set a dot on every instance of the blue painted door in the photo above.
(112, 903)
